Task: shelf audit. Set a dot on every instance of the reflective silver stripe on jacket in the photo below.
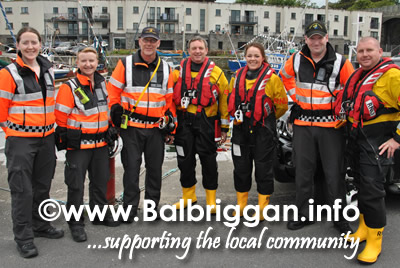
(17, 78)
(285, 74)
(6, 95)
(30, 109)
(150, 104)
(80, 109)
(116, 83)
(92, 125)
(314, 100)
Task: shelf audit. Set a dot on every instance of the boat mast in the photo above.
(8, 24)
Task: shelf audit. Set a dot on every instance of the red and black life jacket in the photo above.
(261, 106)
(205, 93)
(357, 94)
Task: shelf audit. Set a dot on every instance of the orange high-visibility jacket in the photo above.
(315, 96)
(92, 117)
(26, 106)
(127, 82)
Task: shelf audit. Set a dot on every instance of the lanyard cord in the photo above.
(147, 85)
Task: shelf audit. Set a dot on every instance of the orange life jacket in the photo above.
(260, 106)
(200, 90)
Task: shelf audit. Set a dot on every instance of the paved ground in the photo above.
(66, 253)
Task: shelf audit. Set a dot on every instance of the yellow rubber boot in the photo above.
(210, 200)
(188, 193)
(241, 201)
(361, 232)
(263, 201)
(373, 247)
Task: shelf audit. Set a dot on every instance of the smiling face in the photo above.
(148, 47)
(87, 62)
(29, 45)
(369, 53)
(254, 58)
(317, 45)
(198, 51)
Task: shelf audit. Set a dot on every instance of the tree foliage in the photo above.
(362, 4)
(253, 2)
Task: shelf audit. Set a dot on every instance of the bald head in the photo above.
(369, 53)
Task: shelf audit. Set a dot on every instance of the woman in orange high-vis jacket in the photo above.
(82, 119)
(27, 118)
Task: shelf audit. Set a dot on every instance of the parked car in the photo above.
(63, 47)
(284, 169)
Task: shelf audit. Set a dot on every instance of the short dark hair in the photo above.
(28, 30)
(198, 38)
(256, 45)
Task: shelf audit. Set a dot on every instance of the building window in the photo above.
(188, 27)
(359, 33)
(308, 19)
(220, 45)
(25, 24)
(119, 43)
(249, 30)
(24, 10)
(55, 25)
(293, 16)
(217, 28)
(335, 32)
(278, 22)
(375, 35)
(55, 10)
(218, 13)
(374, 23)
(135, 26)
(360, 19)
(72, 13)
(72, 28)
(291, 30)
(104, 10)
(346, 25)
(266, 14)
(11, 26)
(321, 17)
(8, 10)
(336, 18)
(120, 18)
(169, 28)
(266, 29)
(135, 10)
(188, 11)
(202, 20)
(104, 25)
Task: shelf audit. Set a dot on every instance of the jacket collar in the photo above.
(44, 63)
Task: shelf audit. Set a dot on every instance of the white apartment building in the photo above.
(120, 21)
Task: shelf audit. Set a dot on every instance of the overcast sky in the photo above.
(318, 2)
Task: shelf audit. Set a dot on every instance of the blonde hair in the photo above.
(87, 50)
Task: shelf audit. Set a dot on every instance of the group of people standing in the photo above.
(147, 104)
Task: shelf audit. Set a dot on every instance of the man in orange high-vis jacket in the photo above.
(82, 119)
(313, 77)
(140, 92)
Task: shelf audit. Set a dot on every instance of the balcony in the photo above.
(244, 20)
(70, 17)
(81, 32)
(164, 17)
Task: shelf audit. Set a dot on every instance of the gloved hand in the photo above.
(295, 111)
(60, 135)
(111, 135)
(116, 114)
